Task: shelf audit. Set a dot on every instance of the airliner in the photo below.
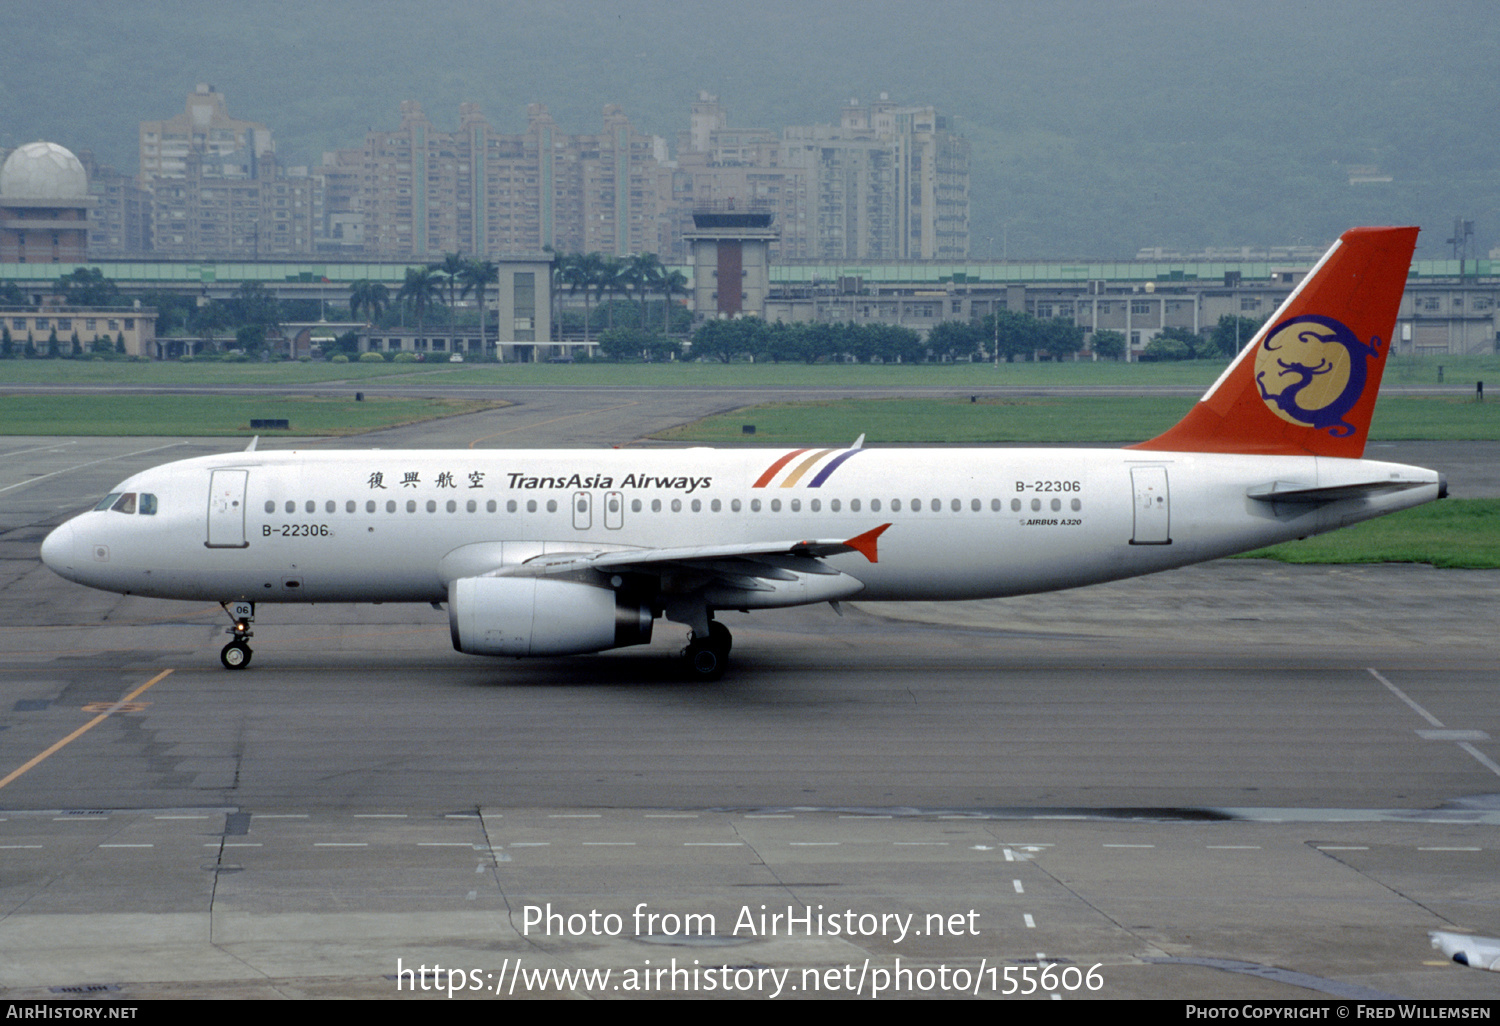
(549, 553)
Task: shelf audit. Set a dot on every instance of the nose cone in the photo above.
(59, 549)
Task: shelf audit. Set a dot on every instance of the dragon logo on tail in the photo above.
(1311, 371)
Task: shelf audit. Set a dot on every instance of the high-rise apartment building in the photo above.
(426, 191)
(205, 130)
(889, 182)
(216, 188)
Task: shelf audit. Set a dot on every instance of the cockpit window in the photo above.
(107, 501)
(126, 503)
(148, 504)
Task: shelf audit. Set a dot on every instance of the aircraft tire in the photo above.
(706, 661)
(719, 636)
(235, 655)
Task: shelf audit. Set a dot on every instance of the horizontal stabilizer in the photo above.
(1283, 491)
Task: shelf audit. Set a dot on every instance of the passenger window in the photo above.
(472, 506)
(270, 505)
(390, 505)
(895, 505)
(754, 505)
(656, 505)
(676, 505)
(148, 504)
(715, 506)
(291, 507)
(958, 505)
(432, 505)
(1036, 505)
(775, 505)
(796, 505)
(1056, 505)
(370, 506)
(510, 507)
(411, 505)
(854, 506)
(453, 506)
(1077, 505)
(1015, 505)
(312, 507)
(697, 506)
(350, 506)
(994, 505)
(635, 505)
(107, 501)
(531, 505)
(834, 505)
(489, 507)
(125, 504)
(551, 505)
(874, 506)
(916, 506)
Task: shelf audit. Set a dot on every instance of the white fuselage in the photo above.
(388, 526)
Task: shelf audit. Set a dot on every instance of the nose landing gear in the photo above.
(236, 654)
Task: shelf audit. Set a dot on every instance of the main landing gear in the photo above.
(708, 656)
(236, 654)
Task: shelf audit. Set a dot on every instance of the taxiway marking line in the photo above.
(1402, 695)
(107, 459)
(554, 420)
(90, 725)
(1483, 760)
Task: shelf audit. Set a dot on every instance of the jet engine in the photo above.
(531, 616)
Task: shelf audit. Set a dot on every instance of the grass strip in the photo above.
(1454, 534)
(1077, 420)
(200, 415)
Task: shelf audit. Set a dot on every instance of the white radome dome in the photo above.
(43, 170)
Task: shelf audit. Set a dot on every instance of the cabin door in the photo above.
(226, 509)
(1153, 507)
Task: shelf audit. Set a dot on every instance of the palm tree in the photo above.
(644, 273)
(612, 279)
(421, 290)
(476, 277)
(671, 281)
(581, 271)
(368, 296)
(452, 268)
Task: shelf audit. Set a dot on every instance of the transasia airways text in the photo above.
(687, 485)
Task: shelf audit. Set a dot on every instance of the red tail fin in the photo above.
(1306, 384)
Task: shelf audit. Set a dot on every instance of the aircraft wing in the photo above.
(739, 559)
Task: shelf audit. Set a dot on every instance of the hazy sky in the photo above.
(1143, 118)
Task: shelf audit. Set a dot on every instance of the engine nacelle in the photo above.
(532, 616)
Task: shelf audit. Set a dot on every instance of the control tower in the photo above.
(731, 261)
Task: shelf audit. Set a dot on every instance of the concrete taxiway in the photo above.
(1241, 780)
